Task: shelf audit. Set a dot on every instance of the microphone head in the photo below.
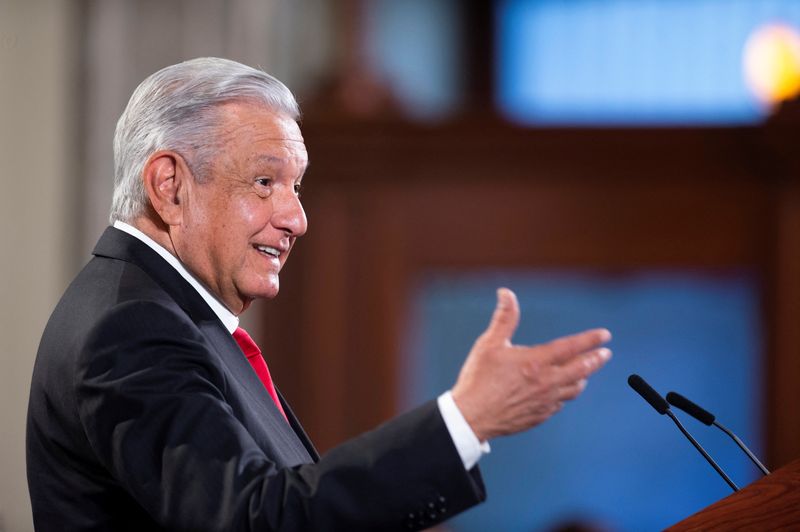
(648, 394)
(700, 414)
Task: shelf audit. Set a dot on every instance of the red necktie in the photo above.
(253, 354)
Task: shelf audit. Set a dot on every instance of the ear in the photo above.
(166, 181)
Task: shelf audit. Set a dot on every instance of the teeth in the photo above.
(269, 250)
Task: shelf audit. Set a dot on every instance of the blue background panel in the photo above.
(601, 62)
(608, 457)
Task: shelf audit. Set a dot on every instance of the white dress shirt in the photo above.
(467, 444)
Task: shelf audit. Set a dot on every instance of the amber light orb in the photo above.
(772, 63)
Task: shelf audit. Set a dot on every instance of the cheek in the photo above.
(206, 213)
(252, 213)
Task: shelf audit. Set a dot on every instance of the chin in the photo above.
(268, 289)
(258, 288)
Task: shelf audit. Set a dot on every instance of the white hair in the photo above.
(175, 109)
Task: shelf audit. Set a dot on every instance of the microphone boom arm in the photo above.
(742, 446)
(702, 451)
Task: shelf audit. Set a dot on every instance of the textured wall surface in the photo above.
(35, 203)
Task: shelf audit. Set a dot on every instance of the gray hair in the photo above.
(175, 109)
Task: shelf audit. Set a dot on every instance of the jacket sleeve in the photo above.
(152, 402)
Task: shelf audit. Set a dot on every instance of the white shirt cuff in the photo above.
(467, 444)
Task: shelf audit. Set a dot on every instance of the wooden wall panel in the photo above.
(784, 421)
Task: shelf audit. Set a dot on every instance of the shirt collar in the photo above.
(228, 318)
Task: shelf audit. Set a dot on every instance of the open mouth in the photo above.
(268, 251)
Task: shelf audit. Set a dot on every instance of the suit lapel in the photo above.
(298, 429)
(292, 443)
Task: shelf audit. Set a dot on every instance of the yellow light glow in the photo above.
(772, 63)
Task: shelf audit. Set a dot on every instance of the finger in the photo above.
(505, 318)
(571, 391)
(563, 350)
(582, 366)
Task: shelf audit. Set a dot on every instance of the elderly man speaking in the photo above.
(151, 409)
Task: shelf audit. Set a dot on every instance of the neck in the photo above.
(158, 231)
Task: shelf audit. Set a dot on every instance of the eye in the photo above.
(264, 181)
(298, 188)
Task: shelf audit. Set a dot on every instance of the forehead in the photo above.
(256, 134)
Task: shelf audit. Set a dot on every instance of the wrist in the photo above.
(470, 414)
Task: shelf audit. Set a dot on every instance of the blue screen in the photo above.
(608, 457)
(630, 61)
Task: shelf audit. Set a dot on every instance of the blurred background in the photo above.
(620, 163)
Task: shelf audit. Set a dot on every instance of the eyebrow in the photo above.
(272, 159)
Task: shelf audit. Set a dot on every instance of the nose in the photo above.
(288, 214)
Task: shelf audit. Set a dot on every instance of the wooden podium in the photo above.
(770, 503)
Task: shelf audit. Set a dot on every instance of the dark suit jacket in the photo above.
(145, 415)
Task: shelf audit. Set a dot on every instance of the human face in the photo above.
(239, 225)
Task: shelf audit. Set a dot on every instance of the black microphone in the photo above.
(706, 417)
(662, 407)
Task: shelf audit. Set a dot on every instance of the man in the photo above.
(150, 409)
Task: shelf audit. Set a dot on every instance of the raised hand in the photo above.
(504, 388)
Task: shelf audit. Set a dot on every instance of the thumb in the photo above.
(505, 318)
